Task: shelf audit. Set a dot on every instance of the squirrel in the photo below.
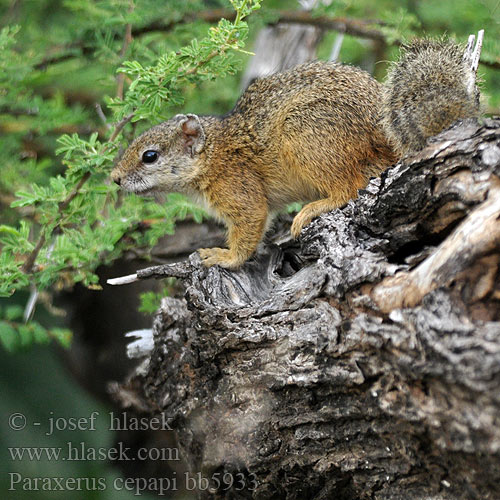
(316, 133)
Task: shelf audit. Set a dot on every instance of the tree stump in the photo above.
(361, 362)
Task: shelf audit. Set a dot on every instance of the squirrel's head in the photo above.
(164, 158)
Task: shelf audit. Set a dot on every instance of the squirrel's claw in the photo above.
(220, 256)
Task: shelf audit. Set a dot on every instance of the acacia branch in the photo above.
(30, 260)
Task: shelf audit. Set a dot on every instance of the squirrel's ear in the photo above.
(193, 133)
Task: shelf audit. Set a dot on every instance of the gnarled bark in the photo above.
(360, 362)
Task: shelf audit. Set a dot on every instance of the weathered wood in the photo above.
(362, 362)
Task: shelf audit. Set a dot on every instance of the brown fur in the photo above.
(311, 134)
(425, 92)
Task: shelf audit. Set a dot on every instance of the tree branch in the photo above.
(355, 27)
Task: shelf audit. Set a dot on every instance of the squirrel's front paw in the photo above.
(221, 256)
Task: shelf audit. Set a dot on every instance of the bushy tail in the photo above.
(429, 88)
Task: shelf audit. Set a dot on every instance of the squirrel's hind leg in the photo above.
(312, 210)
(340, 190)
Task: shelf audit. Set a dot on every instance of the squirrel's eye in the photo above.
(149, 156)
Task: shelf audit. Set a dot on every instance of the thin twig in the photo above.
(27, 267)
(33, 298)
(210, 56)
(102, 116)
(65, 203)
(119, 126)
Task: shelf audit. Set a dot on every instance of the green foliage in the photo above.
(398, 24)
(150, 301)
(161, 83)
(16, 335)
